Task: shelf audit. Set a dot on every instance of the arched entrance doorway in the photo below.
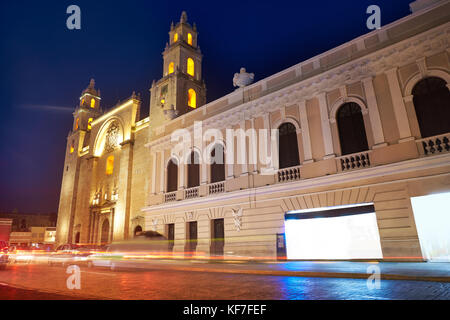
(77, 238)
(105, 232)
(137, 230)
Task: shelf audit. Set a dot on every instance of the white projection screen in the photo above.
(432, 217)
(343, 237)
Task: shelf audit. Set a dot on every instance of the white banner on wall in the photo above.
(432, 217)
(344, 237)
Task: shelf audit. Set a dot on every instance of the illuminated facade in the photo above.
(358, 143)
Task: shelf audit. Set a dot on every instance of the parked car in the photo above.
(3, 254)
(148, 245)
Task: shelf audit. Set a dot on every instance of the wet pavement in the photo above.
(419, 269)
(184, 285)
(11, 293)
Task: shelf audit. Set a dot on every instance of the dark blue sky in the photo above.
(45, 66)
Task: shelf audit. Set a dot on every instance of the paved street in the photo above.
(167, 285)
(11, 293)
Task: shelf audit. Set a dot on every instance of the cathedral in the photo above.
(358, 137)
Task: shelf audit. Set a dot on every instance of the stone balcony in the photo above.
(191, 193)
(195, 192)
(289, 174)
(354, 161)
(170, 196)
(215, 188)
(434, 145)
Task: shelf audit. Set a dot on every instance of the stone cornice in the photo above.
(396, 55)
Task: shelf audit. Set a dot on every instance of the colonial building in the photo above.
(363, 148)
(22, 222)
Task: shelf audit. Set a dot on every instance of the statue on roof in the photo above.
(243, 78)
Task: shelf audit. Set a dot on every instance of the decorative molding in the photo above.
(339, 102)
(343, 91)
(189, 216)
(422, 65)
(408, 98)
(154, 224)
(412, 81)
(237, 218)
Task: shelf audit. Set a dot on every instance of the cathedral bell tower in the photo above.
(181, 89)
(88, 109)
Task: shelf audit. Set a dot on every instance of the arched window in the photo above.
(172, 176)
(171, 68)
(77, 122)
(352, 133)
(193, 169)
(137, 230)
(90, 123)
(217, 164)
(431, 98)
(190, 67)
(192, 98)
(288, 150)
(92, 103)
(189, 39)
(110, 165)
(175, 37)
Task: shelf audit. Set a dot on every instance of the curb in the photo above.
(312, 274)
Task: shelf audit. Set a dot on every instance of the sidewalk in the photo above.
(417, 271)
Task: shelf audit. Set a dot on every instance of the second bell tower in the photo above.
(182, 88)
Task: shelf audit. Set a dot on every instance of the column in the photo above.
(399, 106)
(95, 234)
(181, 174)
(325, 124)
(203, 164)
(244, 166)
(91, 226)
(253, 148)
(307, 153)
(374, 114)
(153, 155)
(162, 172)
(266, 119)
(229, 163)
(111, 226)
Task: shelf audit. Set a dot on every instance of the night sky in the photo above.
(45, 66)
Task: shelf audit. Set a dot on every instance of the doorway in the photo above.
(137, 231)
(171, 235)
(218, 237)
(191, 246)
(77, 238)
(105, 232)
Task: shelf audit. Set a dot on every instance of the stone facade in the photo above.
(376, 72)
